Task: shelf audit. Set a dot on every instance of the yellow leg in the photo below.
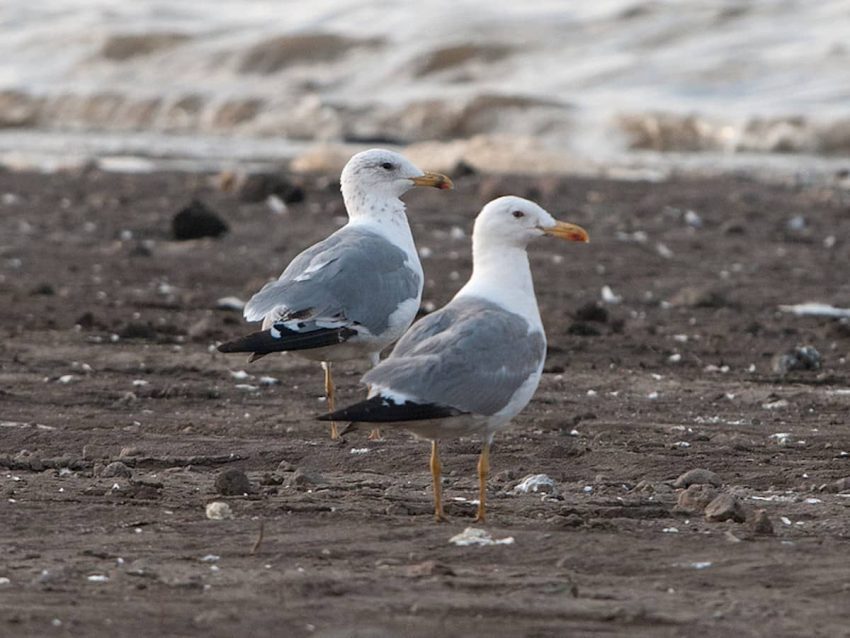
(374, 433)
(483, 471)
(438, 487)
(329, 393)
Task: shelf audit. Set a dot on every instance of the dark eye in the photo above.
(518, 214)
(387, 166)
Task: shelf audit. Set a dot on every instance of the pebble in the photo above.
(302, 480)
(696, 498)
(475, 536)
(285, 466)
(195, 221)
(534, 483)
(725, 507)
(760, 523)
(116, 469)
(802, 358)
(428, 568)
(698, 476)
(218, 511)
(592, 311)
(232, 482)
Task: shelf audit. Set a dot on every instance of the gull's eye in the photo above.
(387, 166)
(518, 213)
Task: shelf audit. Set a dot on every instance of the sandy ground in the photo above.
(107, 353)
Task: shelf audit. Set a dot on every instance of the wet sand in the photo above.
(107, 354)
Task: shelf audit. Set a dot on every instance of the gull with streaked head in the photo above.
(355, 292)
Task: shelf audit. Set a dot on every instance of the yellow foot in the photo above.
(375, 434)
(441, 518)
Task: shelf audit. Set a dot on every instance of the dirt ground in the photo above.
(107, 335)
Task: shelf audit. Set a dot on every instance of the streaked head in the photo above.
(514, 221)
(383, 174)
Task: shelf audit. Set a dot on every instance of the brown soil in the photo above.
(107, 353)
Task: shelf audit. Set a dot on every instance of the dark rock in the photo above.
(232, 482)
(698, 476)
(303, 480)
(195, 221)
(760, 523)
(802, 358)
(463, 169)
(44, 289)
(258, 187)
(271, 479)
(583, 329)
(592, 311)
(116, 469)
(143, 331)
(696, 498)
(724, 508)
(145, 490)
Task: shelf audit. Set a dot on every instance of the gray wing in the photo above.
(352, 277)
(471, 355)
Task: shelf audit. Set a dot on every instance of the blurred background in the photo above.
(536, 86)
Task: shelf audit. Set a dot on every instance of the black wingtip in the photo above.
(282, 339)
(380, 409)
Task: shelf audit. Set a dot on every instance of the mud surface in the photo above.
(107, 334)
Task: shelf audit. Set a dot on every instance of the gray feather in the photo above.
(353, 277)
(471, 355)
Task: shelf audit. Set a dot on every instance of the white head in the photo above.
(513, 222)
(378, 175)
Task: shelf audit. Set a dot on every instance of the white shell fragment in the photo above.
(218, 511)
(475, 536)
(814, 309)
(534, 483)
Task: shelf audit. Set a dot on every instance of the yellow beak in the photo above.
(437, 180)
(567, 231)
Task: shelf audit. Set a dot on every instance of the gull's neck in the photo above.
(501, 274)
(384, 215)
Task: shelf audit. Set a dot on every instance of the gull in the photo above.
(470, 367)
(355, 292)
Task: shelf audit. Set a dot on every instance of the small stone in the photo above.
(760, 523)
(218, 511)
(535, 483)
(802, 358)
(842, 484)
(271, 479)
(592, 311)
(699, 297)
(285, 466)
(195, 221)
(232, 482)
(698, 476)
(259, 187)
(725, 507)
(116, 469)
(428, 568)
(303, 480)
(583, 329)
(696, 498)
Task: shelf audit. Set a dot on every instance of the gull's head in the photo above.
(381, 174)
(514, 221)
